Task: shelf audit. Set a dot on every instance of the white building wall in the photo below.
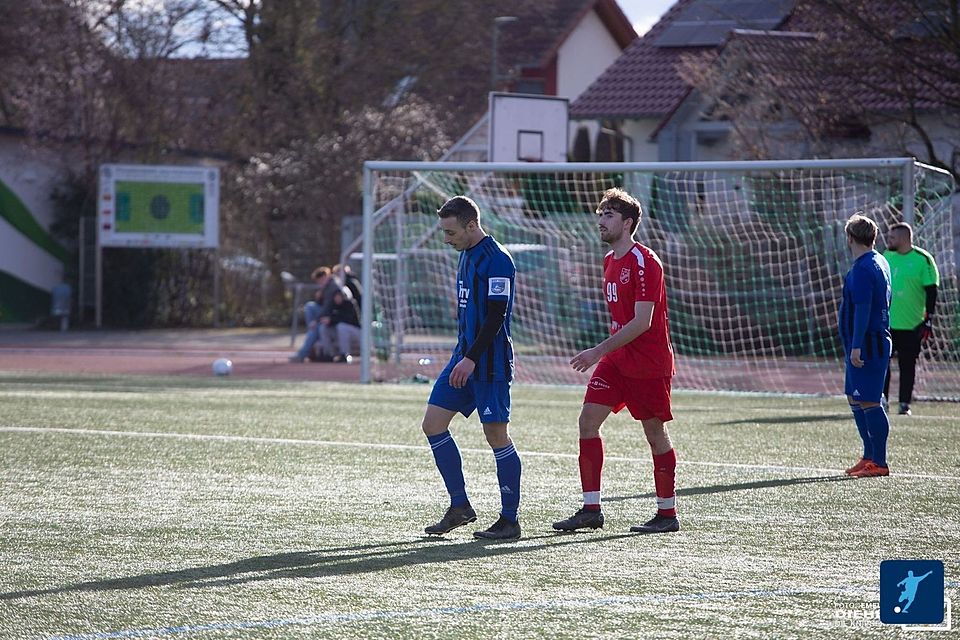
(584, 55)
(32, 175)
(641, 149)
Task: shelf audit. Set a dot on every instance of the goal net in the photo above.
(754, 257)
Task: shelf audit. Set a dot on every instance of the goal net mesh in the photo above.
(754, 261)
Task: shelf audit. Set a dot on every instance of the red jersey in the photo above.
(638, 277)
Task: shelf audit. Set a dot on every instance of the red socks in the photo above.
(664, 479)
(591, 465)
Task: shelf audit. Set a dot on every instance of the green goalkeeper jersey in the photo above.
(910, 274)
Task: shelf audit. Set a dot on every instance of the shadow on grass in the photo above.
(792, 419)
(740, 486)
(319, 563)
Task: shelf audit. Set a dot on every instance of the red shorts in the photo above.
(645, 397)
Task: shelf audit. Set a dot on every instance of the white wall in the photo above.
(32, 175)
(639, 132)
(584, 55)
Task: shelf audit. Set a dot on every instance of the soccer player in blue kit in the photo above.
(480, 371)
(865, 331)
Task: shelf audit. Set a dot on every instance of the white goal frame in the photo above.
(372, 217)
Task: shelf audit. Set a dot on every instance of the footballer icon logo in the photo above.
(912, 592)
(599, 383)
(499, 287)
(624, 275)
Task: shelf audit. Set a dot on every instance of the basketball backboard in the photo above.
(528, 128)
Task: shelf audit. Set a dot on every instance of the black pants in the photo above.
(906, 344)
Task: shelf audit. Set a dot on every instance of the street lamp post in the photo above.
(497, 22)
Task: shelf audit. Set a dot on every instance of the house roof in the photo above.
(811, 77)
(645, 81)
(534, 39)
(775, 59)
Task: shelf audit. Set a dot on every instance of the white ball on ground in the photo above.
(222, 367)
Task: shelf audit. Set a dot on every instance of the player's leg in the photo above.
(886, 380)
(909, 351)
(590, 461)
(664, 465)
(861, 421)
(651, 405)
(852, 379)
(869, 382)
(509, 468)
(445, 402)
(493, 406)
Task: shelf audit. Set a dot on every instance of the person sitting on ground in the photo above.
(346, 278)
(345, 319)
(316, 314)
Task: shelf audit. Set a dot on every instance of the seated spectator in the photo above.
(316, 315)
(344, 275)
(345, 318)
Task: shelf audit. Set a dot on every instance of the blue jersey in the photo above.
(865, 309)
(486, 272)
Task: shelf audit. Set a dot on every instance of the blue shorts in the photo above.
(866, 383)
(491, 400)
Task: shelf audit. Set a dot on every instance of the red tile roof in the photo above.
(643, 82)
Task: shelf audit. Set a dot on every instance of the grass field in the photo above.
(222, 508)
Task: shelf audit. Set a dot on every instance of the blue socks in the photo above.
(508, 475)
(878, 428)
(447, 456)
(861, 420)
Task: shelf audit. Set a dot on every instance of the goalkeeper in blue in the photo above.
(865, 331)
(480, 371)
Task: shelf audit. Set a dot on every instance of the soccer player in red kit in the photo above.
(635, 366)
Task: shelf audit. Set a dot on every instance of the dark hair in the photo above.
(862, 230)
(624, 204)
(904, 226)
(320, 272)
(465, 210)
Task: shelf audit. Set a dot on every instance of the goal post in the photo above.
(754, 258)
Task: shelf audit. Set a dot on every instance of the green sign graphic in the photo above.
(159, 207)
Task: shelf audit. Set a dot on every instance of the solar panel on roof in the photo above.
(707, 22)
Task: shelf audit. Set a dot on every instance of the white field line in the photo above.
(367, 616)
(410, 447)
(841, 408)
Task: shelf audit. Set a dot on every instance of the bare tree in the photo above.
(302, 192)
(856, 77)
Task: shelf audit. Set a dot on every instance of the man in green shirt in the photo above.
(914, 280)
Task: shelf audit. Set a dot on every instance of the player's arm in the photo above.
(862, 299)
(496, 315)
(861, 316)
(926, 326)
(642, 320)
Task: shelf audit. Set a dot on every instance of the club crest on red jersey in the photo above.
(624, 275)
